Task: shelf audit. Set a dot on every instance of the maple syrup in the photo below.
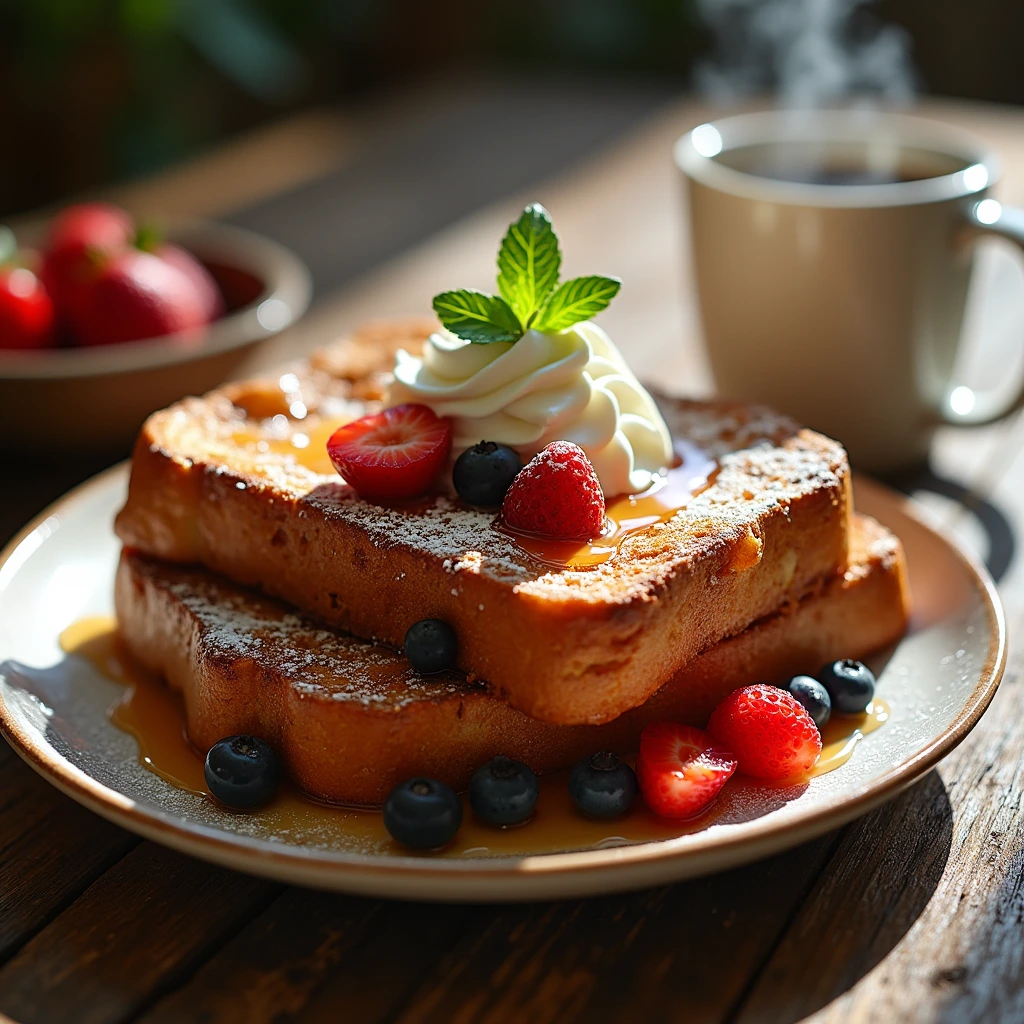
(154, 715)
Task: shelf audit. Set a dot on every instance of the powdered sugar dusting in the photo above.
(231, 624)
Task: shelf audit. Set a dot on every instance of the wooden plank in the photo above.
(138, 931)
(962, 953)
(402, 946)
(883, 874)
(311, 957)
(677, 953)
(51, 850)
(272, 967)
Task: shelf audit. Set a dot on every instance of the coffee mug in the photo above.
(833, 252)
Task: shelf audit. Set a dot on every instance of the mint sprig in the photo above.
(529, 262)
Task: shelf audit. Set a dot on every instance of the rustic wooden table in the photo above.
(912, 913)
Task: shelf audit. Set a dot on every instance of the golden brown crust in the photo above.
(772, 527)
(351, 719)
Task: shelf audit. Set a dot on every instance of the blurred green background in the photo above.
(96, 91)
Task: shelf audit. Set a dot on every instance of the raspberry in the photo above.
(556, 494)
(768, 730)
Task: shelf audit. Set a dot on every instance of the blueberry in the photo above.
(423, 813)
(814, 698)
(503, 792)
(850, 684)
(482, 474)
(430, 646)
(242, 771)
(602, 786)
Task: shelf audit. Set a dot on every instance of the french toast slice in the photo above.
(239, 481)
(351, 719)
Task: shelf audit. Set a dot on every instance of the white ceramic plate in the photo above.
(938, 682)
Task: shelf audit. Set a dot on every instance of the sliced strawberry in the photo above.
(396, 453)
(681, 769)
(769, 729)
(556, 494)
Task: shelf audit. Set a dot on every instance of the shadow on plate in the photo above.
(1002, 543)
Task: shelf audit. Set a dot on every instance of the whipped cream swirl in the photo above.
(572, 385)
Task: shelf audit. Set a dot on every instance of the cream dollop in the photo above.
(573, 385)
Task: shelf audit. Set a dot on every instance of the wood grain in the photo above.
(51, 850)
(681, 952)
(140, 929)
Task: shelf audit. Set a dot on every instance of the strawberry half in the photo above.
(681, 769)
(392, 454)
(769, 729)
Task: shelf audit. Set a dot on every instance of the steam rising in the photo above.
(811, 52)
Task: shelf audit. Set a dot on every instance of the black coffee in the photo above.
(824, 163)
(827, 175)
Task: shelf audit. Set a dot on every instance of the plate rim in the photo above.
(524, 876)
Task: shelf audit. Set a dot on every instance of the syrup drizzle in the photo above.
(154, 715)
(628, 515)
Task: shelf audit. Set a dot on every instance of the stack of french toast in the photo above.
(277, 598)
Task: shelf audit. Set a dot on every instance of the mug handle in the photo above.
(986, 217)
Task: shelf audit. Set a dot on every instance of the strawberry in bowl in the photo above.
(26, 309)
(135, 321)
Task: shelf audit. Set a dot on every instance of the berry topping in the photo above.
(602, 786)
(242, 771)
(423, 813)
(557, 494)
(482, 474)
(850, 684)
(430, 646)
(769, 730)
(681, 769)
(814, 698)
(392, 454)
(503, 792)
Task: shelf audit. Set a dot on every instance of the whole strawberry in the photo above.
(26, 312)
(202, 280)
(768, 730)
(556, 494)
(136, 295)
(78, 237)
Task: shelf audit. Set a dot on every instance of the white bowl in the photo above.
(96, 398)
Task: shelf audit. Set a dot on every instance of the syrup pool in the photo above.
(154, 716)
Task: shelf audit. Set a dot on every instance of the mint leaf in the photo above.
(576, 300)
(528, 262)
(477, 317)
